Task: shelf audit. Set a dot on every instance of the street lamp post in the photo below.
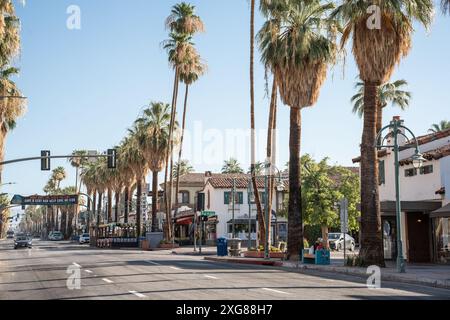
(396, 127)
(233, 191)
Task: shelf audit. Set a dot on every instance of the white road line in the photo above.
(273, 290)
(88, 271)
(137, 294)
(153, 262)
(211, 277)
(76, 265)
(107, 280)
(175, 268)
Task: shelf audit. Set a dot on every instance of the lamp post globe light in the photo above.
(395, 129)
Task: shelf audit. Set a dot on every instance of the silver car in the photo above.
(336, 241)
(22, 241)
(55, 236)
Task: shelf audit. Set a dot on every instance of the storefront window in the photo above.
(442, 237)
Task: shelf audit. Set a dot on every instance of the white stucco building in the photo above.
(425, 199)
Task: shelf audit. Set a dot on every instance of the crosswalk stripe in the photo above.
(137, 294)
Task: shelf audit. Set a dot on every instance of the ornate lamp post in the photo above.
(395, 128)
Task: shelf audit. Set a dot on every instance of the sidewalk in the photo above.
(431, 275)
(189, 251)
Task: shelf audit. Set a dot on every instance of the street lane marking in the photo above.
(152, 262)
(88, 271)
(211, 277)
(107, 280)
(137, 294)
(76, 265)
(175, 268)
(273, 290)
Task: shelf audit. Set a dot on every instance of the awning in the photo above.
(443, 212)
(184, 220)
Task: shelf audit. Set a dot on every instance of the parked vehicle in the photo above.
(336, 241)
(84, 238)
(10, 234)
(22, 241)
(55, 236)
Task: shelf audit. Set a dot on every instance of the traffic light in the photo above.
(112, 160)
(204, 218)
(200, 201)
(45, 160)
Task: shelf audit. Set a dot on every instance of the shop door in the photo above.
(418, 237)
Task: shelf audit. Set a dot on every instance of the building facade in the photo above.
(425, 199)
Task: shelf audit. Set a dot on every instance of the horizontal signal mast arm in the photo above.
(53, 157)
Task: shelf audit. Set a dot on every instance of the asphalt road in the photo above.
(41, 273)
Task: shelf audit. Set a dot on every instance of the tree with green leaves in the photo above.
(377, 48)
(181, 168)
(441, 126)
(388, 93)
(297, 43)
(232, 166)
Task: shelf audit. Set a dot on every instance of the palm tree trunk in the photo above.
(64, 223)
(69, 224)
(180, 152)
(94, 201)
(261, 221)
(295, 223)
(99, 207)
(169, 154)
(371, 240)
(154, 200)
(126, 204)
(269, 151)
(138, 207)
(116, 209)
(109, 209)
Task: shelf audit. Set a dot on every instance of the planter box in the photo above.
(260, 254)
(168, 245)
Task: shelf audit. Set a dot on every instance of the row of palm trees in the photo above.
(12, 103)
(298, 42)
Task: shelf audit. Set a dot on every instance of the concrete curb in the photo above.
(435, 283)
(206, 253)
(246, 261)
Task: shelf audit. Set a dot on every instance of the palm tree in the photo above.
(181, 168)
(154, 126)
(442, 126)
(136, 159)
(232, 166)
(298, 46)
(377, 50)
(183, 23)
(387, 93)
(190, 72)
(127, 176)
(78, 160)
(258, 168)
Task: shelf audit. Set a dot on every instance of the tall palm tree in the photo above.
(182, 23)
(298, 47)
(154, 127)
(390, 92)
(78, 160)
(377, 50)
(181, 168)
(127, 176)
(190, 72)
(232, 166)
(438, 127)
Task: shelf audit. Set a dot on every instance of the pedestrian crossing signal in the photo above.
(45, 160)
(112, 160)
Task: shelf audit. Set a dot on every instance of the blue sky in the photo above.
(85, 87)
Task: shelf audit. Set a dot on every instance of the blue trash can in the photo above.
(222, 247)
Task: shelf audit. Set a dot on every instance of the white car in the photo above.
(84, 238)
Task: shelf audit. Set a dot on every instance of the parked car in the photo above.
(336, 241)
(84, 238)
(55, 236)
(22, 241)
(10, 235)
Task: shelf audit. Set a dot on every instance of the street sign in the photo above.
(344, 215)
(208, 213)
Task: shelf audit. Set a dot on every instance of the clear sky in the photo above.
(85, 87)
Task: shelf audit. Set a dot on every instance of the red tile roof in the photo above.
(435, 154)
(381, 154)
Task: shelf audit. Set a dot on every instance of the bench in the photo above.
(321, 257)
